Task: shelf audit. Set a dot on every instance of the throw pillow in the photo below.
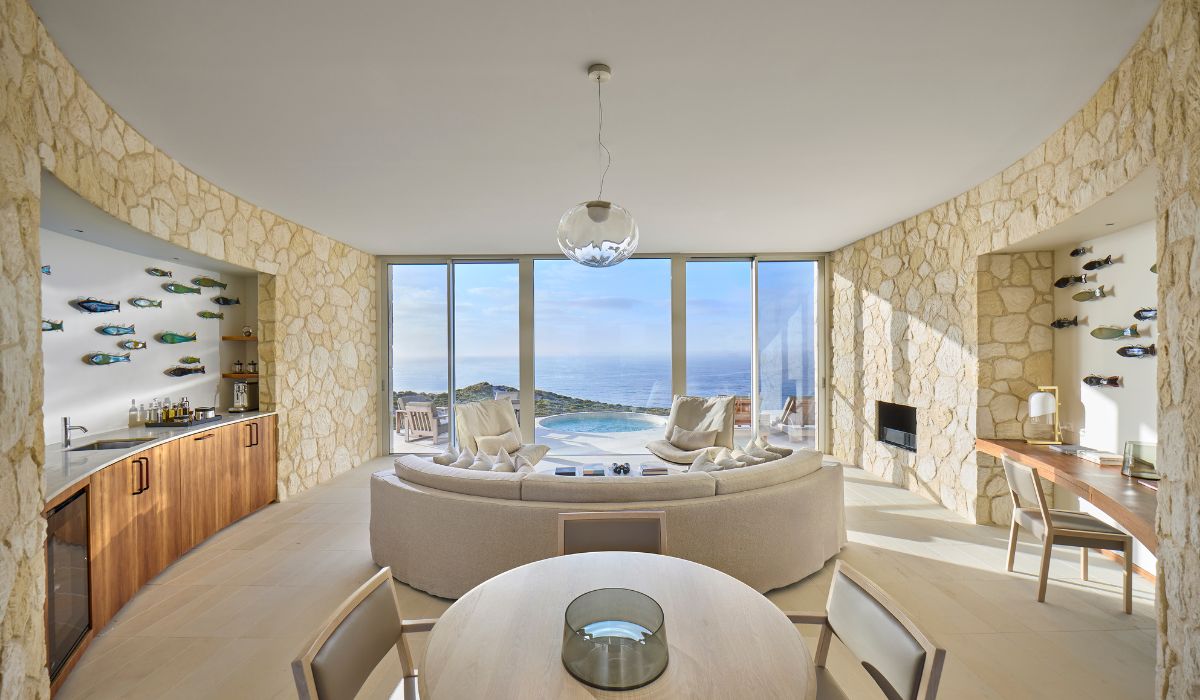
(724, 459)
(755, 451)
(524, 466)
(504, 463)
(746, 459)
(448, 457)
(761, 441)
(509, 442)
(689, 440)
(482, 462)
(703, 463)
(465, 458)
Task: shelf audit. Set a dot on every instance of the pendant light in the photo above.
(598, 233)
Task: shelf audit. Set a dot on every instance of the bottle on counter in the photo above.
(143, 417)
(133, 414)
(155, 416)
(168, 413)
(185, 408)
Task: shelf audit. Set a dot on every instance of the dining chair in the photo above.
(352, 642)
(613, 531)
(902, 660)
(1066, 527)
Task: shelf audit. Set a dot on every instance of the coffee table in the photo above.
(635, 469)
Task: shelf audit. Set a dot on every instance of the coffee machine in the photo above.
(241, 397)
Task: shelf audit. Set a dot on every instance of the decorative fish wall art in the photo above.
(1098, 263)
(208, 282)
(1097, 380)
(158, 272)
(1089, 294)
(45, 269)
(190, 360)
(1065, 322)
(184, 371)
(144, 303)
(226, 301)
(1114, 332)
(177, 288)
(103, 358)
(1146, 314)
(1137, 351)
(96, 306)
(172, 338)
(1070, 280)
(209, 314)
(1081, 250)
(132, 344)
(51, 325)
(116, 330)
(1154, 268)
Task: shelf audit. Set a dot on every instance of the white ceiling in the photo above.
(451, 126)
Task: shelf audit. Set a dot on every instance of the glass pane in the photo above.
(787, 352)
(720, 329)
(420, 376)
(602, 353)
(486, 332)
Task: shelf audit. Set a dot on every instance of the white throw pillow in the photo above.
(761, 441)
(524, 466)
(482, 462)
(746, 459)
(504, 463)
(689, 440)
(448, 457)
(765, 455)
(703, 463)
(724, 459)
(509, 442)
(465, 458)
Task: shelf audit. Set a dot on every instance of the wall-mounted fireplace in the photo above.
(897, 425)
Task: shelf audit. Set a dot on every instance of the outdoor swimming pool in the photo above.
(603, 422)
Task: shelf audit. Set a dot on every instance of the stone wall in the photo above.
(906, 309)
(317, 316)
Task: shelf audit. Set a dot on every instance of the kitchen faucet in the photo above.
(67, 428)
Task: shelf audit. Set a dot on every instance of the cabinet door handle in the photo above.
(146, 470)
(249, 435)
(204, 437)
(139, 482)
(254, 433)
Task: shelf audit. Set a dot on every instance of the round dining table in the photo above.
(503, 639)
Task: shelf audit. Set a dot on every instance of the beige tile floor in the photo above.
(227, 619)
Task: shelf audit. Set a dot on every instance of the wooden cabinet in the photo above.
(203, 480)
(112, 495)
(260, 462)
(157, 526)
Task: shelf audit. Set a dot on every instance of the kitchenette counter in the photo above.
(66, 468)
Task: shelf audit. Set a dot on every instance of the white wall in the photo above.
(97, 397)
(1105, 418)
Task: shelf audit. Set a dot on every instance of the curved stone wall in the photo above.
(318, 305)
(915, 318)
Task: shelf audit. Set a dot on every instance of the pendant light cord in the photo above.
(600, 139)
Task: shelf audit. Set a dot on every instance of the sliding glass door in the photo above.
(602, 354)
(720, 335)
(419, 357)
(788, 351)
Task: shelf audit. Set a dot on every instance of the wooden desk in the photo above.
(503, 639)
(1122, 498)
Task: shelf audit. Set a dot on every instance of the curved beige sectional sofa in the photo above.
(445, 530)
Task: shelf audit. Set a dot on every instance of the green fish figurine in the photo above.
(1089, 294)
(208, 282)
(172, 338)
(52, 325)
(1154, 268)
(190, 360)
(209, 314)
(132, 344)
(144, 303)
(1114, 332)
(103, 358)
(158, 272)
(177, 288)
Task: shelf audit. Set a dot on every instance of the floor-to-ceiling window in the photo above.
(602, 354)
(599, 365)
(720, 335)
(788, 351)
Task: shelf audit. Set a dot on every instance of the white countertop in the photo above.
(65, 468)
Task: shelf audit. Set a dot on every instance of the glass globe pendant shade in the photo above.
(597, 234)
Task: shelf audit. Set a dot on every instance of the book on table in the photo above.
(1101, 457)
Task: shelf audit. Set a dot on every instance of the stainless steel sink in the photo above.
(122, 444)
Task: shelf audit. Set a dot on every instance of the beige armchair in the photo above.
(698, 414)
(491, 418)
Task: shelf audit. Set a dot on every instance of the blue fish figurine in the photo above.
(226, 301)
(103, 358)
(116, 330)
(96, 306)
(52, 325)
(132, 344)
(45, 269)
(144, 303)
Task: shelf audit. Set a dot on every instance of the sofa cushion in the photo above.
(670, 453)
(688, 440)
(616, 489)
(491, 444)
(797, 465)
(489, 484)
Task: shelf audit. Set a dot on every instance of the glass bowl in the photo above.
(614, 639)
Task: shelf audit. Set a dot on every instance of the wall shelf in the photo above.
(243, 338)
(239, 375)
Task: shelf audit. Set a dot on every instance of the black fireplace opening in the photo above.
(897, 425)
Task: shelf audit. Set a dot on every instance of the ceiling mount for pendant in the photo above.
(598, 233)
